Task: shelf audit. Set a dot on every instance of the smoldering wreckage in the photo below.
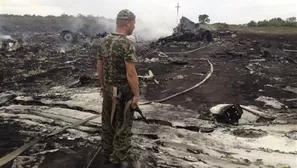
(211, 98)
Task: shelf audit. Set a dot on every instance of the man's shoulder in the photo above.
(107, 38)
(96, 41)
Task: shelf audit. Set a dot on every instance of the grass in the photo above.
(265, 30)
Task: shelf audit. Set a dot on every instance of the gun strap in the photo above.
(114, 104)
(124, 124)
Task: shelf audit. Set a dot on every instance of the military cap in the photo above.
(126, 14)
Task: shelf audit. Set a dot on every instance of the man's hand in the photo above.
(135, 100)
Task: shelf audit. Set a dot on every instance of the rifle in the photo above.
(135, 109)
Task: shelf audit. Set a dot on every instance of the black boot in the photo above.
(106, 160)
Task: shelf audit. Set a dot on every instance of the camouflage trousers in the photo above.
(116, 133)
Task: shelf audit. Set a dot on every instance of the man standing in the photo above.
(119, 85)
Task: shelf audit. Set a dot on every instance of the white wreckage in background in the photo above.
(9, 44)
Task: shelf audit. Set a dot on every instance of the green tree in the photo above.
(263, 23)
(291, 22)
(81, 15)
(252, 24)
(64, 15)
(291, 19)
(204, 19)
(276, 22)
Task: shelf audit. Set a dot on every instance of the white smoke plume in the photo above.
(152, 31)
(144, 30)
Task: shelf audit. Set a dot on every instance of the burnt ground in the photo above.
(41, 66)
(246, 67)
(232, 81)
(14, 134)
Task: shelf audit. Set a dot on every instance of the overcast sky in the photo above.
(159, 11)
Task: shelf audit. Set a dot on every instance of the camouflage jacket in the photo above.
(114, 50)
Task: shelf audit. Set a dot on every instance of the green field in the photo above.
(264, 30)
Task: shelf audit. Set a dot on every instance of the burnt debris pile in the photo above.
(189, 31)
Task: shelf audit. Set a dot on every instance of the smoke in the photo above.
(152, 30)
(91, 26)
(147, 31)
(144, 30)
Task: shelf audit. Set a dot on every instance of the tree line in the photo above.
(274, 22)
(203, 19)
(63, 15)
